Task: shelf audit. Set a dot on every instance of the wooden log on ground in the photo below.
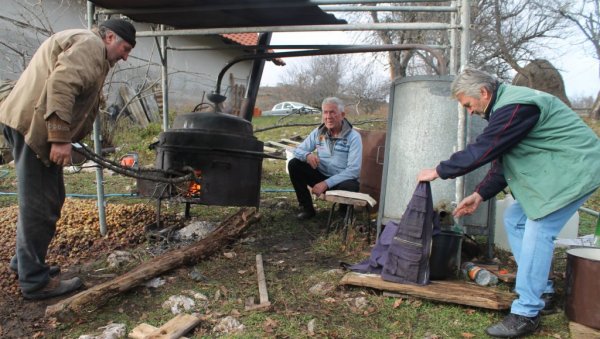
(92, 298)
(174, 328)
(457, 292)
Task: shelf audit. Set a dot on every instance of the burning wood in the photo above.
(194, 189)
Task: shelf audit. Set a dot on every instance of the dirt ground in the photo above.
(79, 251)
(288, 248)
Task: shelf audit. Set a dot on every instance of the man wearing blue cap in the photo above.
(54, 103)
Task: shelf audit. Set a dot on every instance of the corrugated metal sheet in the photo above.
(187, 14)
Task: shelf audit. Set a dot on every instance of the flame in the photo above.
(194, 188)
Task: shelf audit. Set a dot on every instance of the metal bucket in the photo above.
(582, 285)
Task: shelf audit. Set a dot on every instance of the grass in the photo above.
(297, 256)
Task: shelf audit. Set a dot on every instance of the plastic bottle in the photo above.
(480, 275)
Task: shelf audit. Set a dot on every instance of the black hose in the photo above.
(158, 176)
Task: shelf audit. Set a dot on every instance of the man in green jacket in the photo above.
(53, 104)
(550, 160)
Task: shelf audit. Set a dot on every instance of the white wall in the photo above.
(192, 74)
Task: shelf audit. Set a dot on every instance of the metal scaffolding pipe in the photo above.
(376, 48)
(305, 47)
(308, 28)
(338, 8)
(164, 80)
(97, 136)
(465, 43)
(247, 5)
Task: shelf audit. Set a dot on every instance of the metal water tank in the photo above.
(422, 131)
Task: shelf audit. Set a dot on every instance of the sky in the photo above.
(577, 67)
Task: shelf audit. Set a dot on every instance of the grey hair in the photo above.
(336, 101)
(470, 81)
(102, 31)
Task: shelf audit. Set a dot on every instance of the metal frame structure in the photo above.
(458, 28)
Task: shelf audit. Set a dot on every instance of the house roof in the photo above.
(245, 39)
(248, 39)
(187, 14)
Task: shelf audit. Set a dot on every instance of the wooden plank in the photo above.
(271, 149)
(262, 285)
(262, 288)
(456, 292)
(579, 331)
(142, 330)
(134, 106)
(151, 107)
(278, 144)
(293, 142)
(344, 200)
(347, 197)
(175, 327)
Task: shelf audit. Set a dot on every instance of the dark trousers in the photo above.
(41, 194)
(302, 175)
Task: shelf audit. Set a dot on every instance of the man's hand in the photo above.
(320, 188)
(468, 205)
(427, 174)
(312, 160)
(60, 153)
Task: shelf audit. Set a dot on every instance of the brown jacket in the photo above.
(65, 77)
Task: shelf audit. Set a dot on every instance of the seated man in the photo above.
(336, 163)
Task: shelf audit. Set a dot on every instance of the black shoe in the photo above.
(53, 271)
(306, 214)
(549, 304)
(514, 326)
(54, 288)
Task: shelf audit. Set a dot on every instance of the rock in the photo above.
(311, 327)
(196, 275)
(155, 282)
(110, 331)
(195, 231)
(359, 303)
(321, 288)
(335, 271)
(178, 304)
(118, 258)
(228, 325)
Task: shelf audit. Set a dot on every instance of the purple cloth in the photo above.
(402, 251)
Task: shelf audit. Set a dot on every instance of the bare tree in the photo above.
(336, 75)
(509, 34)
(410, 62)
(585, 16)
(23, 34)
(366, 91)
(319, 78)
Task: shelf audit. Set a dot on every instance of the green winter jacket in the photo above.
(557, 163)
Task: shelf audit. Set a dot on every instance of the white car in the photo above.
(291, 107)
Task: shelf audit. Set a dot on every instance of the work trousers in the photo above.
(532, 244)
(41, 194)
(302, 175)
